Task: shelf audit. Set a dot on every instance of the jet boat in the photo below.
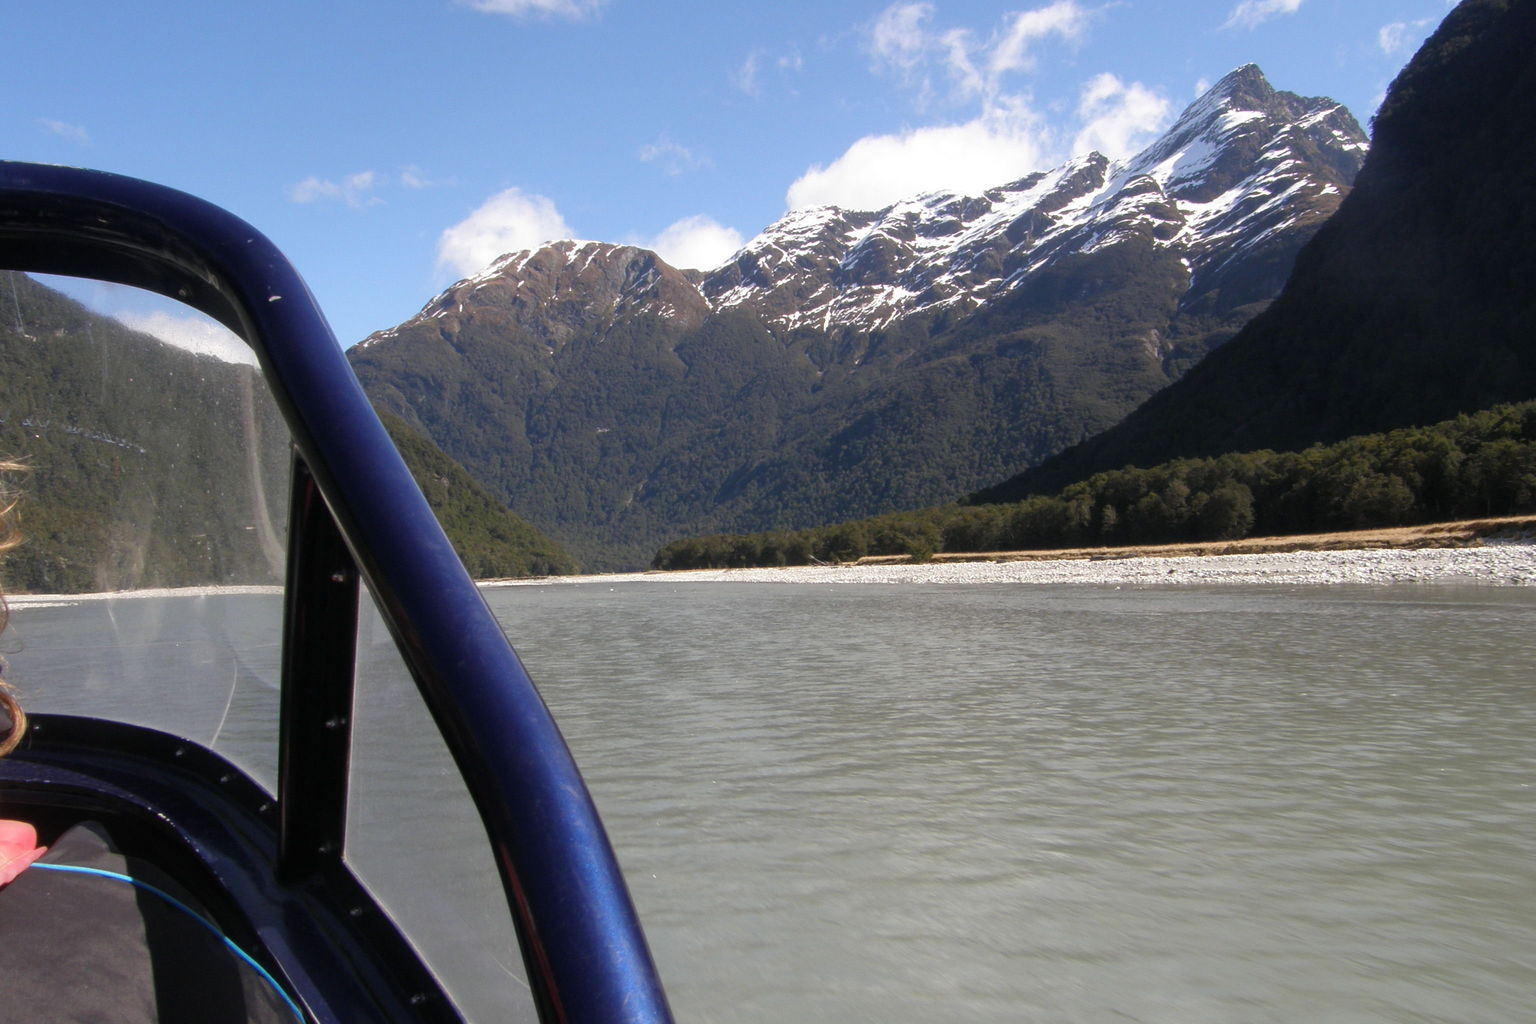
(265, 855)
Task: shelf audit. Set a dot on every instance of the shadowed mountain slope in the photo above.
(1412, 304)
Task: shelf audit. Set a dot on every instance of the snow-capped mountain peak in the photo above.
(1245, 171)
(1240, 166)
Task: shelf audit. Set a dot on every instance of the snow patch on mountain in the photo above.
(1242, 165)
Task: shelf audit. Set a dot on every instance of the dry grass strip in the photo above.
(1466, 533)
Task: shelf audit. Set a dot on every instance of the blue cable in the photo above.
(194, 915)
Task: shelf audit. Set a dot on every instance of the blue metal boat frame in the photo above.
(273, 869)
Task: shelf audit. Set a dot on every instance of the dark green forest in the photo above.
(1471, 466)
(149, 466)
(491, 541)
(613, 444)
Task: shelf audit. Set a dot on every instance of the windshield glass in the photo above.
(152, 509)
(148, 590)
(415, 839)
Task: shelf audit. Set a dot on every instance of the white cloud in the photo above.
(1118, 119)
(313, 189)
(899, 38)
(748, 76)
(1400, 35)
(745, 79)
(414, 177)
(64, 130)
(696, 243)
(1007, 138)
(672, 157)
(361, 189)
(509, 221)
(1251, 13)
(547, 8)
(1013, 51)
(957, 48)
(194, 334)
(1004, 143)
(354, 189)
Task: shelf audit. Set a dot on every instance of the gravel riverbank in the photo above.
(1494, 564)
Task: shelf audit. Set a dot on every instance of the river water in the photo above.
(1062, 804)
(1031, 804)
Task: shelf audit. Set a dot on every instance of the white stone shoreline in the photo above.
(1495, 564)
(22, 601)
(1508, 564)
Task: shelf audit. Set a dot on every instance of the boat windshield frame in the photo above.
(358, 515)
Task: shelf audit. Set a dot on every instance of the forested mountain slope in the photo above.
(147, 464)
(846, 363)
(492, 542)
(151, 466)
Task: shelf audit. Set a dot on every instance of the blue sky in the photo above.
(393, 147)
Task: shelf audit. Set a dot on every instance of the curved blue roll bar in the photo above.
(586, 956)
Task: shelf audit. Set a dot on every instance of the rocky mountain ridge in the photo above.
(565, 288)
(1242, 164)
(845, 363)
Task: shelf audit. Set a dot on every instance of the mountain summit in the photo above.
(1411, 306)
(845, 363)
(1228, 185)
(566, 289)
